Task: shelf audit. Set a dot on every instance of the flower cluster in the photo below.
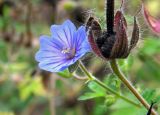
(63, 48)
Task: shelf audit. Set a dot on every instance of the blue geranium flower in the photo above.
(63, 48)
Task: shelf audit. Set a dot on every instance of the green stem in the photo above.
(92, 78)
(121, 76)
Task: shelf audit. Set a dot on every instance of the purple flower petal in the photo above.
(64, 32)
(70, 29)
(54, 66)
(80, 36)
(81, 40)
(44, 55)
(47, 44)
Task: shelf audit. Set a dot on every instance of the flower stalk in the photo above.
(110, 16)
(92, 78)
(121, 76)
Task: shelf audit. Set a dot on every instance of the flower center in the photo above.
(70, 53)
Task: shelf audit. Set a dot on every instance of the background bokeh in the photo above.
(27, 90)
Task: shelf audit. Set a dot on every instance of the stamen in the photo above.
(66, 50)
(70, 53)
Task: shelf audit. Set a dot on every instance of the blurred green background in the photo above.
(27, 90)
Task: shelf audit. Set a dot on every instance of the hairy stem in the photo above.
(92, 78)
(121, 76)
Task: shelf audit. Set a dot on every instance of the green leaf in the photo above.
(121, 108)
(151, 46)
(150, 95)
(90, 95)
(99, 109)
(65, 74)
(149, 69)
(97, 91)
(113, 82)
(73, 67)
(96, 88)
(31, 86)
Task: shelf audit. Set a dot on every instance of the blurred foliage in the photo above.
(26, 90)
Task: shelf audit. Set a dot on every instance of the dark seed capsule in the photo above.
(115, 45)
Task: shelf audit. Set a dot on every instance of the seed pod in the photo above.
(120, 47)
(135, 35)
(115, 45)
(94, 31)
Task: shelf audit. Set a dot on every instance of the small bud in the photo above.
(110, 99)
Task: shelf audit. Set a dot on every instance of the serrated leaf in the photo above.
(113, 82)
(90, 95)
(157, 99)
(151, 96)
(73, 67)
(96, 88)
(121, 107)
(98, 91)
